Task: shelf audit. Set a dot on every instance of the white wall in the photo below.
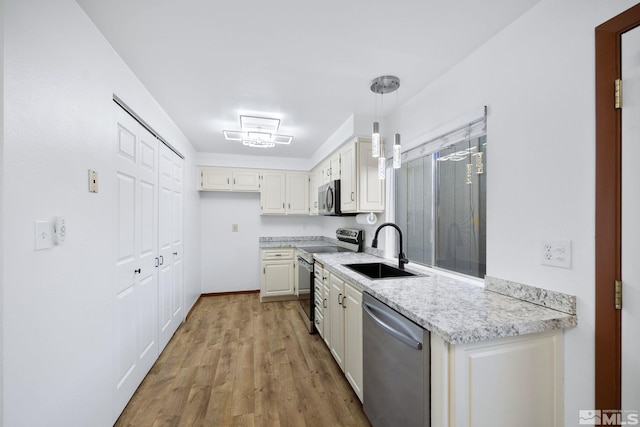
(537, 78)
(58, 304)
(1, 203)
(231, 260)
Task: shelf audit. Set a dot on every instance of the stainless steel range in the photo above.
(351, 242)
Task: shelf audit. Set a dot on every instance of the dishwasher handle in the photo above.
(391, 331)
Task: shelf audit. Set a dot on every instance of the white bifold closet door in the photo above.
(149, 263)
(136, 281)
(171, 303)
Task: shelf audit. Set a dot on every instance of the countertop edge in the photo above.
(547, 319)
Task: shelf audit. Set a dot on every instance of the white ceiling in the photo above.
(306, 63)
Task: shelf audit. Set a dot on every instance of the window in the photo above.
(441, 193)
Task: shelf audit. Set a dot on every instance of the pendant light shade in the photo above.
(382, 167)
(380, 86)
(397, 161)
(375, 140)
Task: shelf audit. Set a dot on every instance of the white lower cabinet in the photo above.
(278, 273)
(336, 299)
(515, 381)
(318, 298)
(326, 312)
(345, 341)
(353, 338)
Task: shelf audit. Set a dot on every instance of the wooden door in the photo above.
(171, 293)
(608, 208)
(136, 282)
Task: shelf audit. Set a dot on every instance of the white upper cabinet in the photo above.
(334, 167)
(370, 188)
(360, 188)
(315, 179)
(284, 193)
(248, 180)
(349, 178)
(227, 179)
(297, 193)
(272, 193)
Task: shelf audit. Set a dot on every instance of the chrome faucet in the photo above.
(402, 260)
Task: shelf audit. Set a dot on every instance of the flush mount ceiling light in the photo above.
(380, 86)
(258, 132)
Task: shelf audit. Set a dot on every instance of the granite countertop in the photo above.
(295, 242)
(456, 310)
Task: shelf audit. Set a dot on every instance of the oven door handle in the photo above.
(391, 331)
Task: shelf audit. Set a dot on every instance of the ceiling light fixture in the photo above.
(258, 132)
(381, 85)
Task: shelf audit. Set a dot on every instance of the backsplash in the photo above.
(544, 297)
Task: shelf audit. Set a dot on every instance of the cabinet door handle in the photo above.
(138, 271)
(175, 253)
(344, 301)
(234, 181)
(352, 196)
(161, 260)
(324, 303)
(227, 180)
(157, 261)
(339, 301)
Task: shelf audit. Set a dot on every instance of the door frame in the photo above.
(608, 208)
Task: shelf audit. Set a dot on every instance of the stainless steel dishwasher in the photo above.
(396, 367)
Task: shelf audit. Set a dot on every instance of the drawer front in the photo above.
(317, 285)
(318, 270)
(277, 254)
(319, 323)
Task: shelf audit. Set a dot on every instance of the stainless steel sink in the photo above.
(379, 270)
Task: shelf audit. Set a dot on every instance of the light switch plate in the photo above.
(43, 235)
(93, 181)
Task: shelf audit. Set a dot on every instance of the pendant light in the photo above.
(381, 85)
(397, 162)
(382, 167)
(375, 140)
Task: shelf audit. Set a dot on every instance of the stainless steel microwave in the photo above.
(329, 198)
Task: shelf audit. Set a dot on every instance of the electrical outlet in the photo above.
(234, 228)
(556, 253)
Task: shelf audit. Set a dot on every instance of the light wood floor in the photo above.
(237, 362)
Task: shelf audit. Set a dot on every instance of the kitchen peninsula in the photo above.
(496, 352)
